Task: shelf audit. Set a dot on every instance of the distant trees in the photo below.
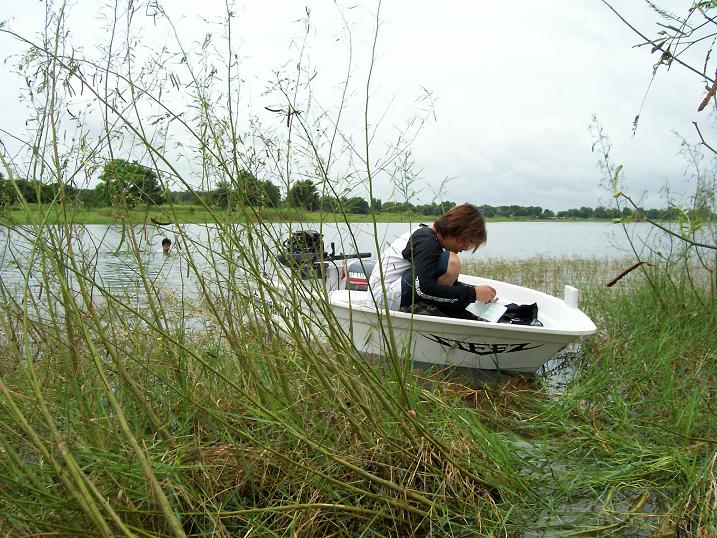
(597, 213)
(255, 193)
(328, 204)
(223, 196)
(355, 205)
(5, 195)
(271, 195)
(506, 211)
(130, 183)
(245, 190)
(32, 191)
(434, 208)
(303, 194)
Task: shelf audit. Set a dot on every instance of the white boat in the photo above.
(470, 344)
(430, 340)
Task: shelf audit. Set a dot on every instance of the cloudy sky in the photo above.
(514, 86)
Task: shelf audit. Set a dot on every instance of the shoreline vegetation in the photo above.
(130, 192)
(197, 214)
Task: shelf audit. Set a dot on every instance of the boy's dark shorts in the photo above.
(407, 278)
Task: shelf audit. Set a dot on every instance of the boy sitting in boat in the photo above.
(420, 269)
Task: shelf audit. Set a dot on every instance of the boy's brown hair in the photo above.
(463, 222)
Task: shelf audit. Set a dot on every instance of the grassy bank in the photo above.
(196, 417)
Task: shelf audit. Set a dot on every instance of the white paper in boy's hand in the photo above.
(488, 311)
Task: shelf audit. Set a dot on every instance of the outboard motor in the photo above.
(304, 250)
(358, 273)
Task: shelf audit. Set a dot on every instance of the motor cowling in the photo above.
(357, 274)
(303, 252)
(302, 247)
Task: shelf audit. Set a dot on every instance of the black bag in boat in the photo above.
(521, 314)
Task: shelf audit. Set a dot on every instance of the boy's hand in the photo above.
(485, 294)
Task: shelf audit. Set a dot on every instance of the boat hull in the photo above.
(463, 343)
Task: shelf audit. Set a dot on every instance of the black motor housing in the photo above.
(301, 248)
(303, 252)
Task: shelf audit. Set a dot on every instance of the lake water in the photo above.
(518, 240)
(112, 264)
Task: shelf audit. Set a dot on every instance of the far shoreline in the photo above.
(181, 214)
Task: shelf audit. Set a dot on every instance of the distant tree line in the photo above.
(132, 184)
(121, 182)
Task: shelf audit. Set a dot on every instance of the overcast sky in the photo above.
(515, 86)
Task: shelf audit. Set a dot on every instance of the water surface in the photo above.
(110, 260)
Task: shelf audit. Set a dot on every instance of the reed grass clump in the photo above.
(119, 418)
(634, 430)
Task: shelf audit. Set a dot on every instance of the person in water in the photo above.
(166, 245)
(420, 268)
